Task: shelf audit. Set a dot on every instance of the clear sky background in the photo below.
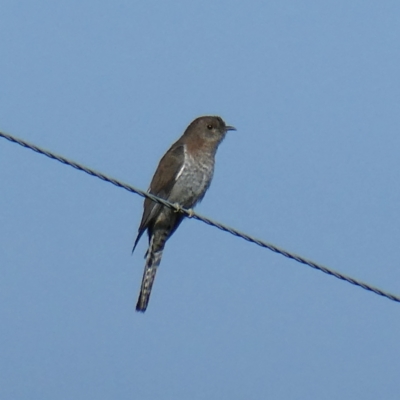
(313, 89)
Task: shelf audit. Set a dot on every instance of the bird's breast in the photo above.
(193, 180)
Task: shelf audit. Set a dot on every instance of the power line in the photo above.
(191, 214)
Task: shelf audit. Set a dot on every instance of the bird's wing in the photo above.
(161, 185)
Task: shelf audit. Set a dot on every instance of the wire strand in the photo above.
(192, 214)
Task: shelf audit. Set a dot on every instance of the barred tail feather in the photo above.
(153, 260)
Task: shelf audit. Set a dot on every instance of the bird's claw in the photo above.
(177, 208)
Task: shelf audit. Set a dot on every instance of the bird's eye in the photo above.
(209, 126)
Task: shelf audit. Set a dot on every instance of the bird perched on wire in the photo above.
(183, 176)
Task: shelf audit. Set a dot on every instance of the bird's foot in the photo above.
(177, 208)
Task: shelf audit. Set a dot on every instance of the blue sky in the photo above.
(312, 88)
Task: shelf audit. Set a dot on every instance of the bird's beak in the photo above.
(230, 128)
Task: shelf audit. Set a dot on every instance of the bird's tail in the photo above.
(153, 259)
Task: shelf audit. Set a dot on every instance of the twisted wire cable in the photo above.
(191, 214)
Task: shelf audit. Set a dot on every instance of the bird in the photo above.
(182, 177)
